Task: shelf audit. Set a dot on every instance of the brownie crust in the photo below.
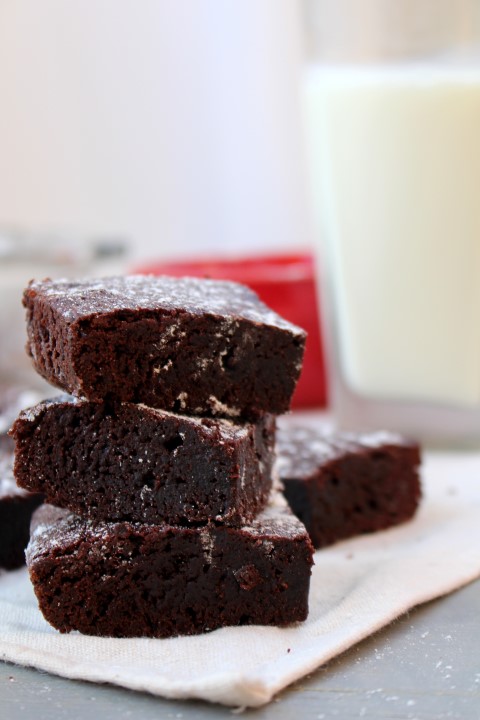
(189, 345)
(122, 461)
(345, 484)
(139, 580)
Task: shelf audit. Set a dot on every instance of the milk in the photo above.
(395, 158)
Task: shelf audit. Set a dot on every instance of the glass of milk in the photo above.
(392, 106)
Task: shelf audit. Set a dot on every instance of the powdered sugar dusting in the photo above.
(61, 531)
(75, 299)
(207, 541)
(301, 449)
(217, 407)
(53, 528)
(277, 519)
(226, 429)
(182, 399)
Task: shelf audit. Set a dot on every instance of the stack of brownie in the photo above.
(158, 463)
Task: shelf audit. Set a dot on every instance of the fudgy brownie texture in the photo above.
(195, 346)
(346, 484)
(139, 580)
(122, 461)
(16, 508)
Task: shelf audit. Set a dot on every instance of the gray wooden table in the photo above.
(426, 666)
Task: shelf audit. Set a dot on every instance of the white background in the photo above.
(173, 123)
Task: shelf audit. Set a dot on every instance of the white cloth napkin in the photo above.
(357, 587)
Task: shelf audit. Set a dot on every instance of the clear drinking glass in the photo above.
(392, 107)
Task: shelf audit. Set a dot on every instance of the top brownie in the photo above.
(194, 346)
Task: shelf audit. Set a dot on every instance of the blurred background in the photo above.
(173, 127)
(130, 135)
(220, 138)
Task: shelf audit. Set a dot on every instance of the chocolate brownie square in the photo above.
(16, 508)
(123, 461)
(344, 484)
(195, 346)
(140, 580)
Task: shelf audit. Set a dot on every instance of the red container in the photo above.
(286, 283)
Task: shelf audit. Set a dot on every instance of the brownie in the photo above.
(123, 461)
(16, 508)
(344, 484)
(190, 345)
(140, 580)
